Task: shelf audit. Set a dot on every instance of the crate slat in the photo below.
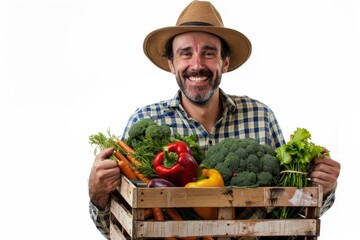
(218, 228)
(227, 197)
(115, 232)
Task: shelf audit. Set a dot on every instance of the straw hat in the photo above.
(197, 16)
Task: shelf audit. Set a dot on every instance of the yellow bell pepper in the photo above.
(209, 178)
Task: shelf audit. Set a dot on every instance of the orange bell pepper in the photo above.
(209, 178)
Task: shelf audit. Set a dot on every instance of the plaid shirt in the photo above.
(243, 117)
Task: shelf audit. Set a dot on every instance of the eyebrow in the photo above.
(206, 47)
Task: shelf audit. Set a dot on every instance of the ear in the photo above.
(171, 66)
(226, 65)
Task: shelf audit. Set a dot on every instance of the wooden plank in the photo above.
(115, 232)
(124, 217)
(127, 190)
(226, 228)
(226, 197)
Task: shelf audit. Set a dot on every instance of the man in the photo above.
(198, 50)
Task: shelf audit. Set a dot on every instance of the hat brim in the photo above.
(154, 44)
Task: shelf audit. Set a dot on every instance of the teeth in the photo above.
(197, 79)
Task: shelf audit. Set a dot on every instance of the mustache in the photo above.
(202, 72)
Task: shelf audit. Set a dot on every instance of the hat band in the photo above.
(196, 24)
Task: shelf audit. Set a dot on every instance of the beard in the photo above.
(197, 95)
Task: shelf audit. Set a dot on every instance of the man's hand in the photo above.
(104, 178)
(325, 172)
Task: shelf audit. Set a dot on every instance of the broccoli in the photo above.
(244, 179)
(231, 162)
(264, 179)
(253, 163)
(148, 136)
(246, 161)
(166, 131)
(138, 129)
(157, 131)
(226, 173)
(270, 164)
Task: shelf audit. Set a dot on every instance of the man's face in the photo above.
(197, 65)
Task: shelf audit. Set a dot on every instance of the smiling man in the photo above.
(198, 50)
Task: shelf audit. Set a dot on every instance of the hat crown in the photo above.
(200, 12)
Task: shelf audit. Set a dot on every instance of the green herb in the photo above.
(295, 160)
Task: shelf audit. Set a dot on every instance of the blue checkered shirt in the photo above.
(243, 117)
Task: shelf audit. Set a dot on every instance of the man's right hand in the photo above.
(104, 178)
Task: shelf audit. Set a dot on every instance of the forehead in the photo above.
(196, 39)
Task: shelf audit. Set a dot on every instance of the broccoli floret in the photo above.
(253, 163)
(228, 145)
(230, 157)
(271, 164)
(261, 151)
(225, 172)
(242, 155)
(234, 163)
(213, 159)
(166, 131)
(154, 132)
(268, 149)
(138, 129)
(244, 179)
(252, 147)
(264, 179)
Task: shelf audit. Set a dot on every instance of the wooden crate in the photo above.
(128, 211)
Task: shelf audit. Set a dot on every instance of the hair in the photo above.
(169, 54)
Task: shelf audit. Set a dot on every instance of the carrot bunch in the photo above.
(123, 154)
(130, 161)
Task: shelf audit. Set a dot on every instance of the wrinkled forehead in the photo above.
(196, 39)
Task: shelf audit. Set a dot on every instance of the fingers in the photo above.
(104, 178)
(326, 165)
(325, 172)
(104, 154)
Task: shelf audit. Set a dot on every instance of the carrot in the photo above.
(127, 170)
(120, 156)
(141, 177)
(158, 214)
(133, 160)
(129, 151)
(148, 213)
(208, 238)
(173, 214)
(125, 146)
(125, 166)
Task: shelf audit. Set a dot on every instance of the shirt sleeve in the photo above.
(101, 219)
(327, 202)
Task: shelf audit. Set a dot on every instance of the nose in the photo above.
(197, 62)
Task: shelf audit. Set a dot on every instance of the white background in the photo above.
(72, 68)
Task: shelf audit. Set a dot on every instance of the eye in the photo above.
(209, 54)
(186, 54)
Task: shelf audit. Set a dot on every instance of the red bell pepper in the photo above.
(176, 164)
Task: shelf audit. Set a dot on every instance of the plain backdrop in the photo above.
(72, 68)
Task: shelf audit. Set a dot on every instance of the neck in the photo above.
(207, 114)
